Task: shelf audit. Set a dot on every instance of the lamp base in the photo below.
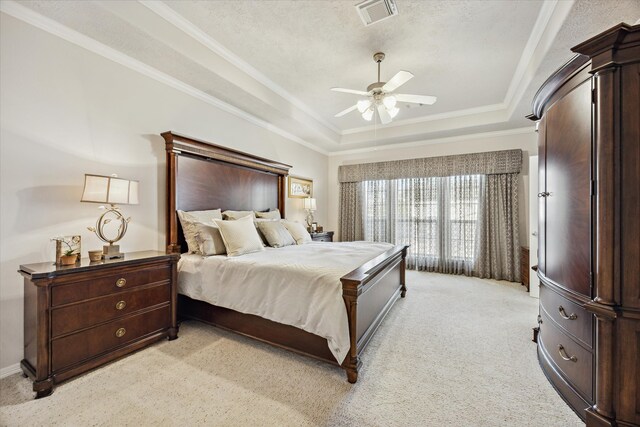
(111, 252)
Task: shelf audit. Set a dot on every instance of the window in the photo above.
(437, 216)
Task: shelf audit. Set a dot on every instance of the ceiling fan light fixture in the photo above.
(389, 102)
(363, 104)
(368, 115)
(393, 112)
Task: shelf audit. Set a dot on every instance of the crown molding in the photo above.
(24, 14)
(442, 116)
(186, 26)
(549, 21)
(551, 18)
(425, 142)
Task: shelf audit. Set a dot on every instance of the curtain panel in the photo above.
(350, 212)
(493, 162)
(458, 213)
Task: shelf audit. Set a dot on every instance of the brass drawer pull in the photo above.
(563, 314)
(120, 332)
(121, 282)
(565, 356)
(120, 305)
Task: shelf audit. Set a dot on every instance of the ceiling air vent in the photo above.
(372, 11)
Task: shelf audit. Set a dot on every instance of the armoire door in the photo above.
(567, 197)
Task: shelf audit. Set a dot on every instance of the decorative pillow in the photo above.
(274, 214)
(234, 215)
(276, 234)
(209, 239)
(298, 232)
(240, 237)
(189, 219)
(258, 221)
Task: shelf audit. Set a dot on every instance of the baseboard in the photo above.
(10, 370)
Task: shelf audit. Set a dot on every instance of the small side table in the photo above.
(325, 236)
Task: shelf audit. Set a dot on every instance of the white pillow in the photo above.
(298, 232)
(234, 215)
(276, 234)
(209, 239)
(274, 214)
(240, 237)
(189, 219)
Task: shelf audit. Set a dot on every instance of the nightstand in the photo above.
(325, 236)
(82, 316)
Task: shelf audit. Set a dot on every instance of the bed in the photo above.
(202, 176)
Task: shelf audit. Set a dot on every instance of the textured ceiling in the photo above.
(274, 61)
(463, 52)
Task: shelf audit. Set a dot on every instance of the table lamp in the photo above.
(310, 206)
(110, 190)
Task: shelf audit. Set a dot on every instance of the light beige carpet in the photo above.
(456, 352)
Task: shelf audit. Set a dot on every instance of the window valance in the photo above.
(490, 163)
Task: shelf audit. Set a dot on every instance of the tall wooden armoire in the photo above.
(589, 228)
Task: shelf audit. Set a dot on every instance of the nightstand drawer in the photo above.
(108, 284)
(78, 347)
(85, 314)
(326, 236)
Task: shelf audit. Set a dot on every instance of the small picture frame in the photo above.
(314, 227)
(300, 188)
(66, 243)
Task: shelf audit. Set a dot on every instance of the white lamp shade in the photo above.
(310, 203)
(389, 102)
(109, 189)
(363, 104)
(368, 115)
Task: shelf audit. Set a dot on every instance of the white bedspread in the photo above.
(295, 285)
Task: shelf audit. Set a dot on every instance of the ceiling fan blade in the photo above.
(416, 99)
(348, 110)
(353, 91)
(396, 81)
(385, 118)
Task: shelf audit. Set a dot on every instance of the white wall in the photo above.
(525, 140)
(65, 111)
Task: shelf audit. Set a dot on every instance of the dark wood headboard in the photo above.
(202, 176)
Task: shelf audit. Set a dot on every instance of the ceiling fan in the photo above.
(380, 96)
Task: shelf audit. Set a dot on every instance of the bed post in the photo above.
(172, 220)
(352, 362)
(403, 267)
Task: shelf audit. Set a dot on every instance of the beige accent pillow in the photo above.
(276, 234)
(274, 214)
(188, 219)
(258, 221)
(209, 239)
(240, 236)
(298, 232)
(234, 215)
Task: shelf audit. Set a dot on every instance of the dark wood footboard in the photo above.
(369, 293)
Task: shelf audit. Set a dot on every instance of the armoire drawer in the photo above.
(570, 316)
(85, 314)
(108, 284)
(92, 342)
(574, 361)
